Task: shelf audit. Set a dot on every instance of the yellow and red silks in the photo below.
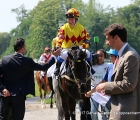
(67, 35)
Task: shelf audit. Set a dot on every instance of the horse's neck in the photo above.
(69, 71)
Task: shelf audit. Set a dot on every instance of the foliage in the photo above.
(129, 16)
(39, 26)
(4, 42)
(44, 26)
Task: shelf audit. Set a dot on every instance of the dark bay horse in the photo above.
(43, 84)
(73, 85)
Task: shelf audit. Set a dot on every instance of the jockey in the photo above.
(55, 46)
(70, 33)
(54, 43)
(44, 58)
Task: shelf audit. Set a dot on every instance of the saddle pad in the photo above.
(62, 67)
(51, 70)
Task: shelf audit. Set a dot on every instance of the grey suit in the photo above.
(125, 87)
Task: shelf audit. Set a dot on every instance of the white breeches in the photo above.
(64, 53)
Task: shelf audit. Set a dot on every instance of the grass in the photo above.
(48, 100)
(36, 92)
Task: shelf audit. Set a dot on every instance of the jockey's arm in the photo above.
(86, 39)
(41, 60)
(53, 43)
(85, 44)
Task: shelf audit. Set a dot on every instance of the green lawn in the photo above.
(36, 92)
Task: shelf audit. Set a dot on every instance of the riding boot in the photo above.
(57, 70)
(51, 87)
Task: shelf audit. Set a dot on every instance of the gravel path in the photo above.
(35, 112)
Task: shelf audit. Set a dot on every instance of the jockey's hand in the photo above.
(6, 93)
(86, 41)
(57, 52)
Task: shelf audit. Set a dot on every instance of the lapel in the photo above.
(121, 59)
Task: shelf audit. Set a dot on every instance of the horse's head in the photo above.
(79, 68)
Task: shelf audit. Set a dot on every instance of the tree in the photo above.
(23, 17)
(45, 21)
(4, 42)
(129, 16)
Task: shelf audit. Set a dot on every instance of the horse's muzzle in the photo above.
(83, 88)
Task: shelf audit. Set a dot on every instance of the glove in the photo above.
(87, 42)
(75, 47)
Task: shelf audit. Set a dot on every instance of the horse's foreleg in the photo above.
(72, 105)
(49, 90)
(82, 110)
(84, 106)
(44, 98)
(40, 90)
(51, 105)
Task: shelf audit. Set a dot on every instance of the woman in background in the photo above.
(106, 78)
(100, 69)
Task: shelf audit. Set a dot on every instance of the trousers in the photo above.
(15, 103)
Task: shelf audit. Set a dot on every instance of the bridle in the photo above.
(72, 64)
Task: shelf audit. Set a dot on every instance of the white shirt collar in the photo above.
(122, 49)
(19, 53)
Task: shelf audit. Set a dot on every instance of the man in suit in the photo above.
(17, 80)
(125, 85)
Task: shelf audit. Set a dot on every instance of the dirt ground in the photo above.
(34, 111)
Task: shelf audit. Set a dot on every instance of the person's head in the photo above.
(47, 50)
(116, 36)
(113, 54)
(102, 56)
(72, 16)
(19, 46)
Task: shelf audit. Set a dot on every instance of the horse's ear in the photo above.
(70, 56)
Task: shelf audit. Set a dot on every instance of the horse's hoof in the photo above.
(51, 106)
(43, 106)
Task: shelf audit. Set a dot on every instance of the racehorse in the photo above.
(73, 84)
(43, 84)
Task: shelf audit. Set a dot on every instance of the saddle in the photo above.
(43, 78)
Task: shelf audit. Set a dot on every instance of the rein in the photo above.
(75, 79)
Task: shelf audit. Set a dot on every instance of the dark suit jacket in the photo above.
(125, 88)
(18, 74)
